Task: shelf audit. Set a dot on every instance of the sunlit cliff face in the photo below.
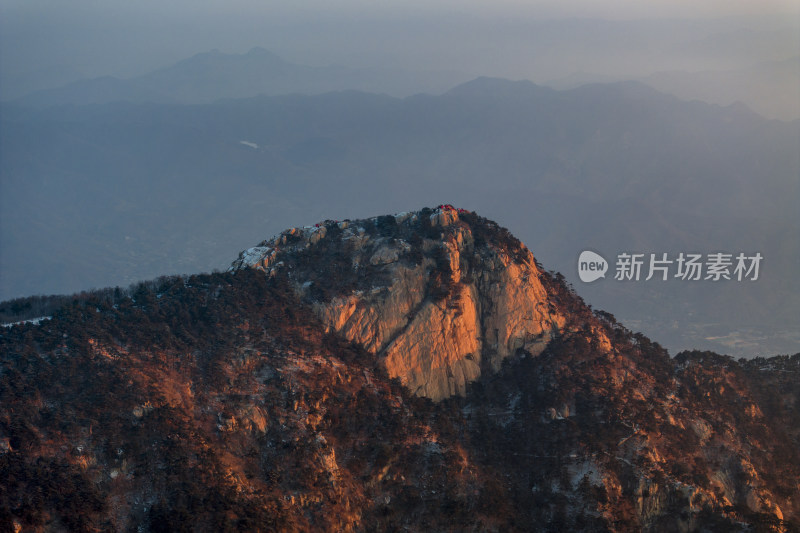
(436, 313)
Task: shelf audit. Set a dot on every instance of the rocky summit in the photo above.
(416, 372)
(428, 295)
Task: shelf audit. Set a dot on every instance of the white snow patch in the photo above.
(253, 255)
(402, 217)
(252, 145)
(34, 321)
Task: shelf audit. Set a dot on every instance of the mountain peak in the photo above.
(439, 296)
(254, 54)
(259, 51)
(487, 86)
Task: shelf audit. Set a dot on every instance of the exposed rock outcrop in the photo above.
(436, 341)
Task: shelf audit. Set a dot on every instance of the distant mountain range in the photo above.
(211, 76)
(419, 372)
(771, 89)
(108, 194)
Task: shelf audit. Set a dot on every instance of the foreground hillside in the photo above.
(418, 372)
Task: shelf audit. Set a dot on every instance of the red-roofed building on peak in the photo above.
(448, 207)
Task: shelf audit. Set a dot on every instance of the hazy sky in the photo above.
(47, 42)
(594, 8)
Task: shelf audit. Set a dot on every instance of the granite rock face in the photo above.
(436, 305)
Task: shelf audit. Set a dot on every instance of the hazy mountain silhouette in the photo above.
(214, 75)
(770, 89)
(109, 194)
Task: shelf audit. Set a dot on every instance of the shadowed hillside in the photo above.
(234, 402)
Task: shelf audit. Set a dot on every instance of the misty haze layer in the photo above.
(109, 194)
(699, 48)
(128, 150)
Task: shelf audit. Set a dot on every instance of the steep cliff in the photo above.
(436, 305)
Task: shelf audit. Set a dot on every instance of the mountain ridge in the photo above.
(210, 76)
(231, 401)
(473, 303)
